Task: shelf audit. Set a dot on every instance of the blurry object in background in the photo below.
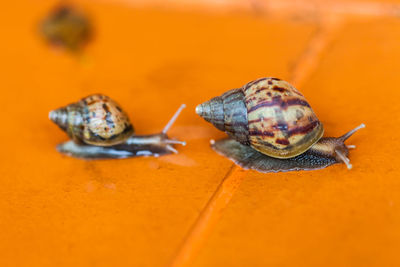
(99, 128)
(67, 27)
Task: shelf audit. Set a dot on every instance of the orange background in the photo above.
(196, 208)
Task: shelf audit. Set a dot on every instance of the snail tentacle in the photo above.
(344, 159)
(175, 142)
(160, 138)
(172, 149)
(173, 119)
(351, 132)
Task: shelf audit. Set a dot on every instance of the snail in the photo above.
(67, 27)
(99, 128)
(272, 128)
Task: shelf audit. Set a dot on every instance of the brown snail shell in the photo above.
(99, 128)
(94, 120)
(274, 128)
(268, 114)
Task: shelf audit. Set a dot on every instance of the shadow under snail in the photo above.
(99, 128)
(272, 128)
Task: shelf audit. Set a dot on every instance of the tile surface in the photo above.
(60, 211)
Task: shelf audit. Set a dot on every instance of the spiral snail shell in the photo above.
(272, 128)
(99, 128)
(94, 120)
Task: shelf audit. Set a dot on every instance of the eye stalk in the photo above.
(344, 138)
(335, 147)
(351, 132)
(172, 121)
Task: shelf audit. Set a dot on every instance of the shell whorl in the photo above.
(60, 117)
(228, 113)
(275, 118)
(95, 120)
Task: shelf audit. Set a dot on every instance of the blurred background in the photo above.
(197, 208)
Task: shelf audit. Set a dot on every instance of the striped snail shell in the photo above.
(268, 114)
(94, 120)
(271, 122)
(99, 128)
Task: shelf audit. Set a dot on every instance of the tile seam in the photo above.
(210, 214)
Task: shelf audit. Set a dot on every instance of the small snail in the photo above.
(272, 128)
(67, 27)
(99, 128)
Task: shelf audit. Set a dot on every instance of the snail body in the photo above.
(272, 128)
(99, 128)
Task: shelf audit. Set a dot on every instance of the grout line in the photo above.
(311, 56)
(208, 217)
(211, 213)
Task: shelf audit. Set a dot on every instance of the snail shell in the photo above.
(273, 128)
(268, 114)
(95, 120)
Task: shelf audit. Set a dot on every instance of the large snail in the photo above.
(99, 128)
(272, 128)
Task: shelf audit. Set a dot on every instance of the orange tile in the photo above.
(60, 211)
(332, 217)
